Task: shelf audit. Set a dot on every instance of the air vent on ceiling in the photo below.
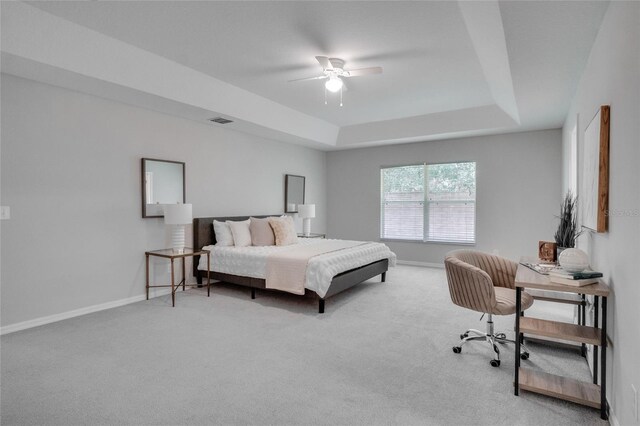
(220, 120)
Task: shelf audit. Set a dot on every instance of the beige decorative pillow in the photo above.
(284, 230)
(261, 232)
(241, 233)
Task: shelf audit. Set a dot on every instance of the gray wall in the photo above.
(71, 174)
(518, 191)
(611, 77)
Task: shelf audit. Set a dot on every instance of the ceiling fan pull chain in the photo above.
(325, 95)
(341, 95)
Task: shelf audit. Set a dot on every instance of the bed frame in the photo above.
(203, 235)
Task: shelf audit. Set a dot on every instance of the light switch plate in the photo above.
(5, 212)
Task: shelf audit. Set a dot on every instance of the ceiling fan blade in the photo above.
(324, 63)
(363, 71)
(320, 77)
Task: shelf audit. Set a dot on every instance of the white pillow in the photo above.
(223, 233)
(241, 233)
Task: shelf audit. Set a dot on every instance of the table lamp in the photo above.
(306, 212)
(177, 216)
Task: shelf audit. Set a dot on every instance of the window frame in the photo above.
(425, 202)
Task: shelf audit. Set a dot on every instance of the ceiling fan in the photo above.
(333, 71)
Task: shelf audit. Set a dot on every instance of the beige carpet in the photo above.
(381, 354)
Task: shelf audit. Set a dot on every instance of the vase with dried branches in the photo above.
(567, 231)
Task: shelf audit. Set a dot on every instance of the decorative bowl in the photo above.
(573, 260)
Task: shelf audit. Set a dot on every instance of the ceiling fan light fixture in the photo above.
(334, 84)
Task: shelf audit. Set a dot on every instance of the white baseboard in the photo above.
(11, 328)
(423, 264)
(613, 420)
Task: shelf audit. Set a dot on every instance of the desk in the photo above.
(172, 256)
(584, 393)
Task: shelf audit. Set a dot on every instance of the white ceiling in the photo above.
(447, 65)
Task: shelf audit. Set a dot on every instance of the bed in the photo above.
(370, 261)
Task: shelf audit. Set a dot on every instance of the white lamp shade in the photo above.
(178, 214)
(307, 210)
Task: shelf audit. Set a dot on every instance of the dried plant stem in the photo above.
(568, 232)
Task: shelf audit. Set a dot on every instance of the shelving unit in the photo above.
(560, 387)
(560, 330)
(590, 394)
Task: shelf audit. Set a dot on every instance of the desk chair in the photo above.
(484, 283)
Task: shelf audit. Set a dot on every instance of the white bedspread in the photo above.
(252, 261)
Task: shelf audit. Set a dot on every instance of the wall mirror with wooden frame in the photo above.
(163, 182)
(293, 193)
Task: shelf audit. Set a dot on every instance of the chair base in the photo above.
(492, 338)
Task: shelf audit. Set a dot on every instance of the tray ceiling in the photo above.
(450, 68)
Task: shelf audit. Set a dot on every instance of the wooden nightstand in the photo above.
(312, 236)
(171, 255)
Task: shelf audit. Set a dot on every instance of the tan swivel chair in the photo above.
(484, 283)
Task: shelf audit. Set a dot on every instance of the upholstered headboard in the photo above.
(203, 234)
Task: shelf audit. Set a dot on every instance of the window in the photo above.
(429, 202)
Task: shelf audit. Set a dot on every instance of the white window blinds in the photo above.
(402, 199)
(434, 202)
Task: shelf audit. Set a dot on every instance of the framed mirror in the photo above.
(293, 193)
(163, 182)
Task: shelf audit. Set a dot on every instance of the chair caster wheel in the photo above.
(457, 349)
(462, 336)
(524, 355)
(501, 336)
(495, 363)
